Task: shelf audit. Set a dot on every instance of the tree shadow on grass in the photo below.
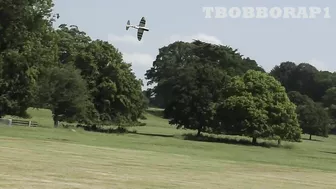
(154, 135)
(59, 139)
(334, 153)
(314, 140)
(117, 130)
(234, 141)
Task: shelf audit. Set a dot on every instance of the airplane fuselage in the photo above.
(138, 27)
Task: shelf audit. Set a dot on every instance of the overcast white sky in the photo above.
(268, 41)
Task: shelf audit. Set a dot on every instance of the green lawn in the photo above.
(156, 156)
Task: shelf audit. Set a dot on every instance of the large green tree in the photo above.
(324, 81)
(64, 92)
(329, 102)
(114, 89)
(172, 58)
(256, 105)
(284, 74)
(304, 78)
(194, 96)
(26, 42)
(313, 118)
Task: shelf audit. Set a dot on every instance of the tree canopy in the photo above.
(26, 42)
(256, 105)
(194, 95)
(174, 57)
(64, 92)
(313, 118)
(34, 55)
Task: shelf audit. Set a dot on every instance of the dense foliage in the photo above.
(62, 69)
(256, 105)
(176, 56)
(212, 88)
(26, 43)
(58, 89)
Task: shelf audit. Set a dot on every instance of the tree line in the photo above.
(201, 86)
(214, 89)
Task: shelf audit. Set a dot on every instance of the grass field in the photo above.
(156, 156)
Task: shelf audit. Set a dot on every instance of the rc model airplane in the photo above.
(141, 27)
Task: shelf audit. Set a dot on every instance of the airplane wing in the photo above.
(142, 22)
(140, 33)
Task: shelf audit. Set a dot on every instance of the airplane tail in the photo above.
(127, 25)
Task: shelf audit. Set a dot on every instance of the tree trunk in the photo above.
(199, 132)
(310, 137)
(55, 121)
(254, 140)
(279, 142)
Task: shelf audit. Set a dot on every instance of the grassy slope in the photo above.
(144, 160)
